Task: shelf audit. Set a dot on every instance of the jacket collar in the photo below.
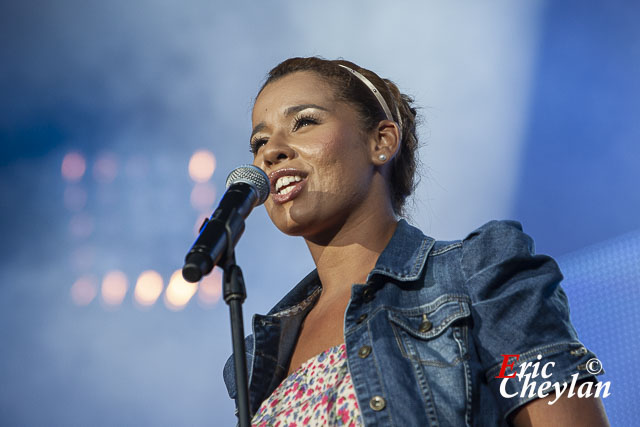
(402, 259)
(405, 255)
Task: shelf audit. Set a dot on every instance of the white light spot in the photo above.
(179, 292)
(73, 166)
(210, 288)
(202, 165)
(84, 290)
(148, 288)
(114, 288)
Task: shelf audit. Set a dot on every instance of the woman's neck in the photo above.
(351, 252)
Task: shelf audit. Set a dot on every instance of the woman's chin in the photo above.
(305, 220)
(290, 227)
(300, 226)
(283, 221)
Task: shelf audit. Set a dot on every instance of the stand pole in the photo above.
(234, 293)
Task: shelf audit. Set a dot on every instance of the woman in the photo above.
(392, 328)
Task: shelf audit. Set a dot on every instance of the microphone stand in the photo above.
(247, 187)
(234, 294)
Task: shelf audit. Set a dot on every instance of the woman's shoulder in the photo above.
(491, 233)
(490, 253)
(498, 242)
(496, 238)
(497, 232)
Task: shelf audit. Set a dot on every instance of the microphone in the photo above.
(247, 187)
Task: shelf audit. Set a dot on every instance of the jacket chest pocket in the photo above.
(434, 334)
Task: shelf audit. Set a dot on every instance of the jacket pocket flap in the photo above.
(428, 321)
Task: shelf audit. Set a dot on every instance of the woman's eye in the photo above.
(303, 121)
(256, 144)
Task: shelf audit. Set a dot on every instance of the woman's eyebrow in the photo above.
(288, 112)
(258, 128)
(297, 108)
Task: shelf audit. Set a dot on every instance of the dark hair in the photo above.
(351, 90)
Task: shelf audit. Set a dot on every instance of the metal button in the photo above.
(426, 325)
(361, 318)
(367, 294)
(578, 352)
(364, 351)
(377, 403)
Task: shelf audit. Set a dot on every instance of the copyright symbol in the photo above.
(594, 367)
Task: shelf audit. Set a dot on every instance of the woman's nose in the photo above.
(277, 150)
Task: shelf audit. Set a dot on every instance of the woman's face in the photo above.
(315, 153)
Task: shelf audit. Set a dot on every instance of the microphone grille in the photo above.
(255, 177)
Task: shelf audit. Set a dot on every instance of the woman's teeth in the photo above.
(286, 190)
(284, 181)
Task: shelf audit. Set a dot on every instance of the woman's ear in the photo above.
(385, 142)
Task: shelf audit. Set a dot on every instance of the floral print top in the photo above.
(319, 393)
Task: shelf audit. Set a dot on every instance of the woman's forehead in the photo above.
(299, 88)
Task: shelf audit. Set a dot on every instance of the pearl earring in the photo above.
(382, 158)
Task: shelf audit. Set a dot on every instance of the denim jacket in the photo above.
(425, 336)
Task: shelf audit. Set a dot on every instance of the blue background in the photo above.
(529, 111)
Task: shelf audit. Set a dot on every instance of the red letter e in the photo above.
(505, 365)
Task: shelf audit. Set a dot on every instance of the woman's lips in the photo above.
(291, 194)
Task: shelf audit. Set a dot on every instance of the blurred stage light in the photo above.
(178, 292)
(148, 288)
(75, 198)
(202, 165)
(114, 288)
(203, 196)
(210, 289)
(84, 290)
(81, 225)
(105, 168)
(73, 166)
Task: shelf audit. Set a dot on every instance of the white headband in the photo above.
(379, 97)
